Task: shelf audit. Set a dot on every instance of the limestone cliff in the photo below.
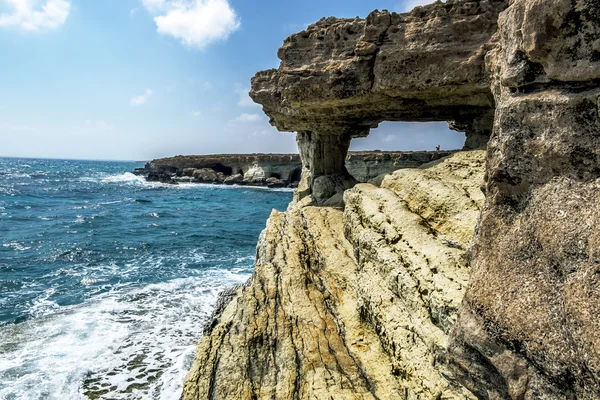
(511, 311)
(353, 304)
(275, 170)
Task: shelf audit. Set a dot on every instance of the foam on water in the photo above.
(106, 279)
(125, 344)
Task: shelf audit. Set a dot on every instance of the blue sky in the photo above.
(139, 79)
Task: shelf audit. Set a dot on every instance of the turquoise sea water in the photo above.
(106, 280)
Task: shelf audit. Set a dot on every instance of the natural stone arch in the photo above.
(529, 322)
(342, 77)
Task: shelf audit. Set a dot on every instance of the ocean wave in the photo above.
(126, 344)
(16, 246)
(126, 177)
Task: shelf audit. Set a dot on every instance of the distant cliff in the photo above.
(275, 170)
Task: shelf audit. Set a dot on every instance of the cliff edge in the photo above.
(424, 288)
(353, 304)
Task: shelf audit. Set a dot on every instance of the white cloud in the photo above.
(33, 16)
(196, 23)
(389, 138)
(245, 117)
(407, 5)
(141, 99)
(244, 98)
(196, 113)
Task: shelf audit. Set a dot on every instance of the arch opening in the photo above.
(410, 137)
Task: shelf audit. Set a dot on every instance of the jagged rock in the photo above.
(233, 179)
(205, 175)
(341, 77)
(295, 332)
(256, 174)
(225, 297)
(528, 325)
(360, 318)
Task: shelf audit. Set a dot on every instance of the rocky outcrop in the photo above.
(530, 322)
(254, 169)
(341, 77)
(511, 311)
(355, 304)
(275, 170)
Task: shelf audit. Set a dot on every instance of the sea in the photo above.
(106, 279)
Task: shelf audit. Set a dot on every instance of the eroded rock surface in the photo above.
(355, 304)
(510, 312)
(341, 77)
(530, 322)
(278, 170)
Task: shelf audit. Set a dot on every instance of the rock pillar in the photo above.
(325, 176)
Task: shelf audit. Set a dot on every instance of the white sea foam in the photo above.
(16, 246)
(131, 343)
(126, 177)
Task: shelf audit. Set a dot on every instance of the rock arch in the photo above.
(528, 70)
(341, 77)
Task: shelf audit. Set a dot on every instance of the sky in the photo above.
(141, 79)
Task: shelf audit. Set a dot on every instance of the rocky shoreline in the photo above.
(476, 276)
(275, 170)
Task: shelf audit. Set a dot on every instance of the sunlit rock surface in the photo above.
(355, 304)
(424, 288)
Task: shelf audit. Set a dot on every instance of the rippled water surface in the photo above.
(106, 280)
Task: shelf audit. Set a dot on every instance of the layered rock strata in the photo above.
(353, 304)
(515, 314)
(275, 170)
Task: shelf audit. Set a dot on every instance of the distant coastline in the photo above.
(274, 170)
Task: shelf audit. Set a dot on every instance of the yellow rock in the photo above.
(353, 304)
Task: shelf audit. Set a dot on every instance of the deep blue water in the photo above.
(105, 279)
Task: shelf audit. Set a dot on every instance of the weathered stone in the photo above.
(528, 326)
(256, 174)
(206, 175)
(362, 165)
(188, 171)
(341, 77)
(295, 332)
(530, 320)
(233, 179)
(365, 317)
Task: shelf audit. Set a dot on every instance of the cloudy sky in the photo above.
(139, 79)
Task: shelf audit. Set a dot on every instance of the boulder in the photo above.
(234, 179)
(255, 174)
(188, 172)
(206, 175)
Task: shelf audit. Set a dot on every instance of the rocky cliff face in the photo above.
(408, 302)
(530, 322)
(342, 77)
(353, 304)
